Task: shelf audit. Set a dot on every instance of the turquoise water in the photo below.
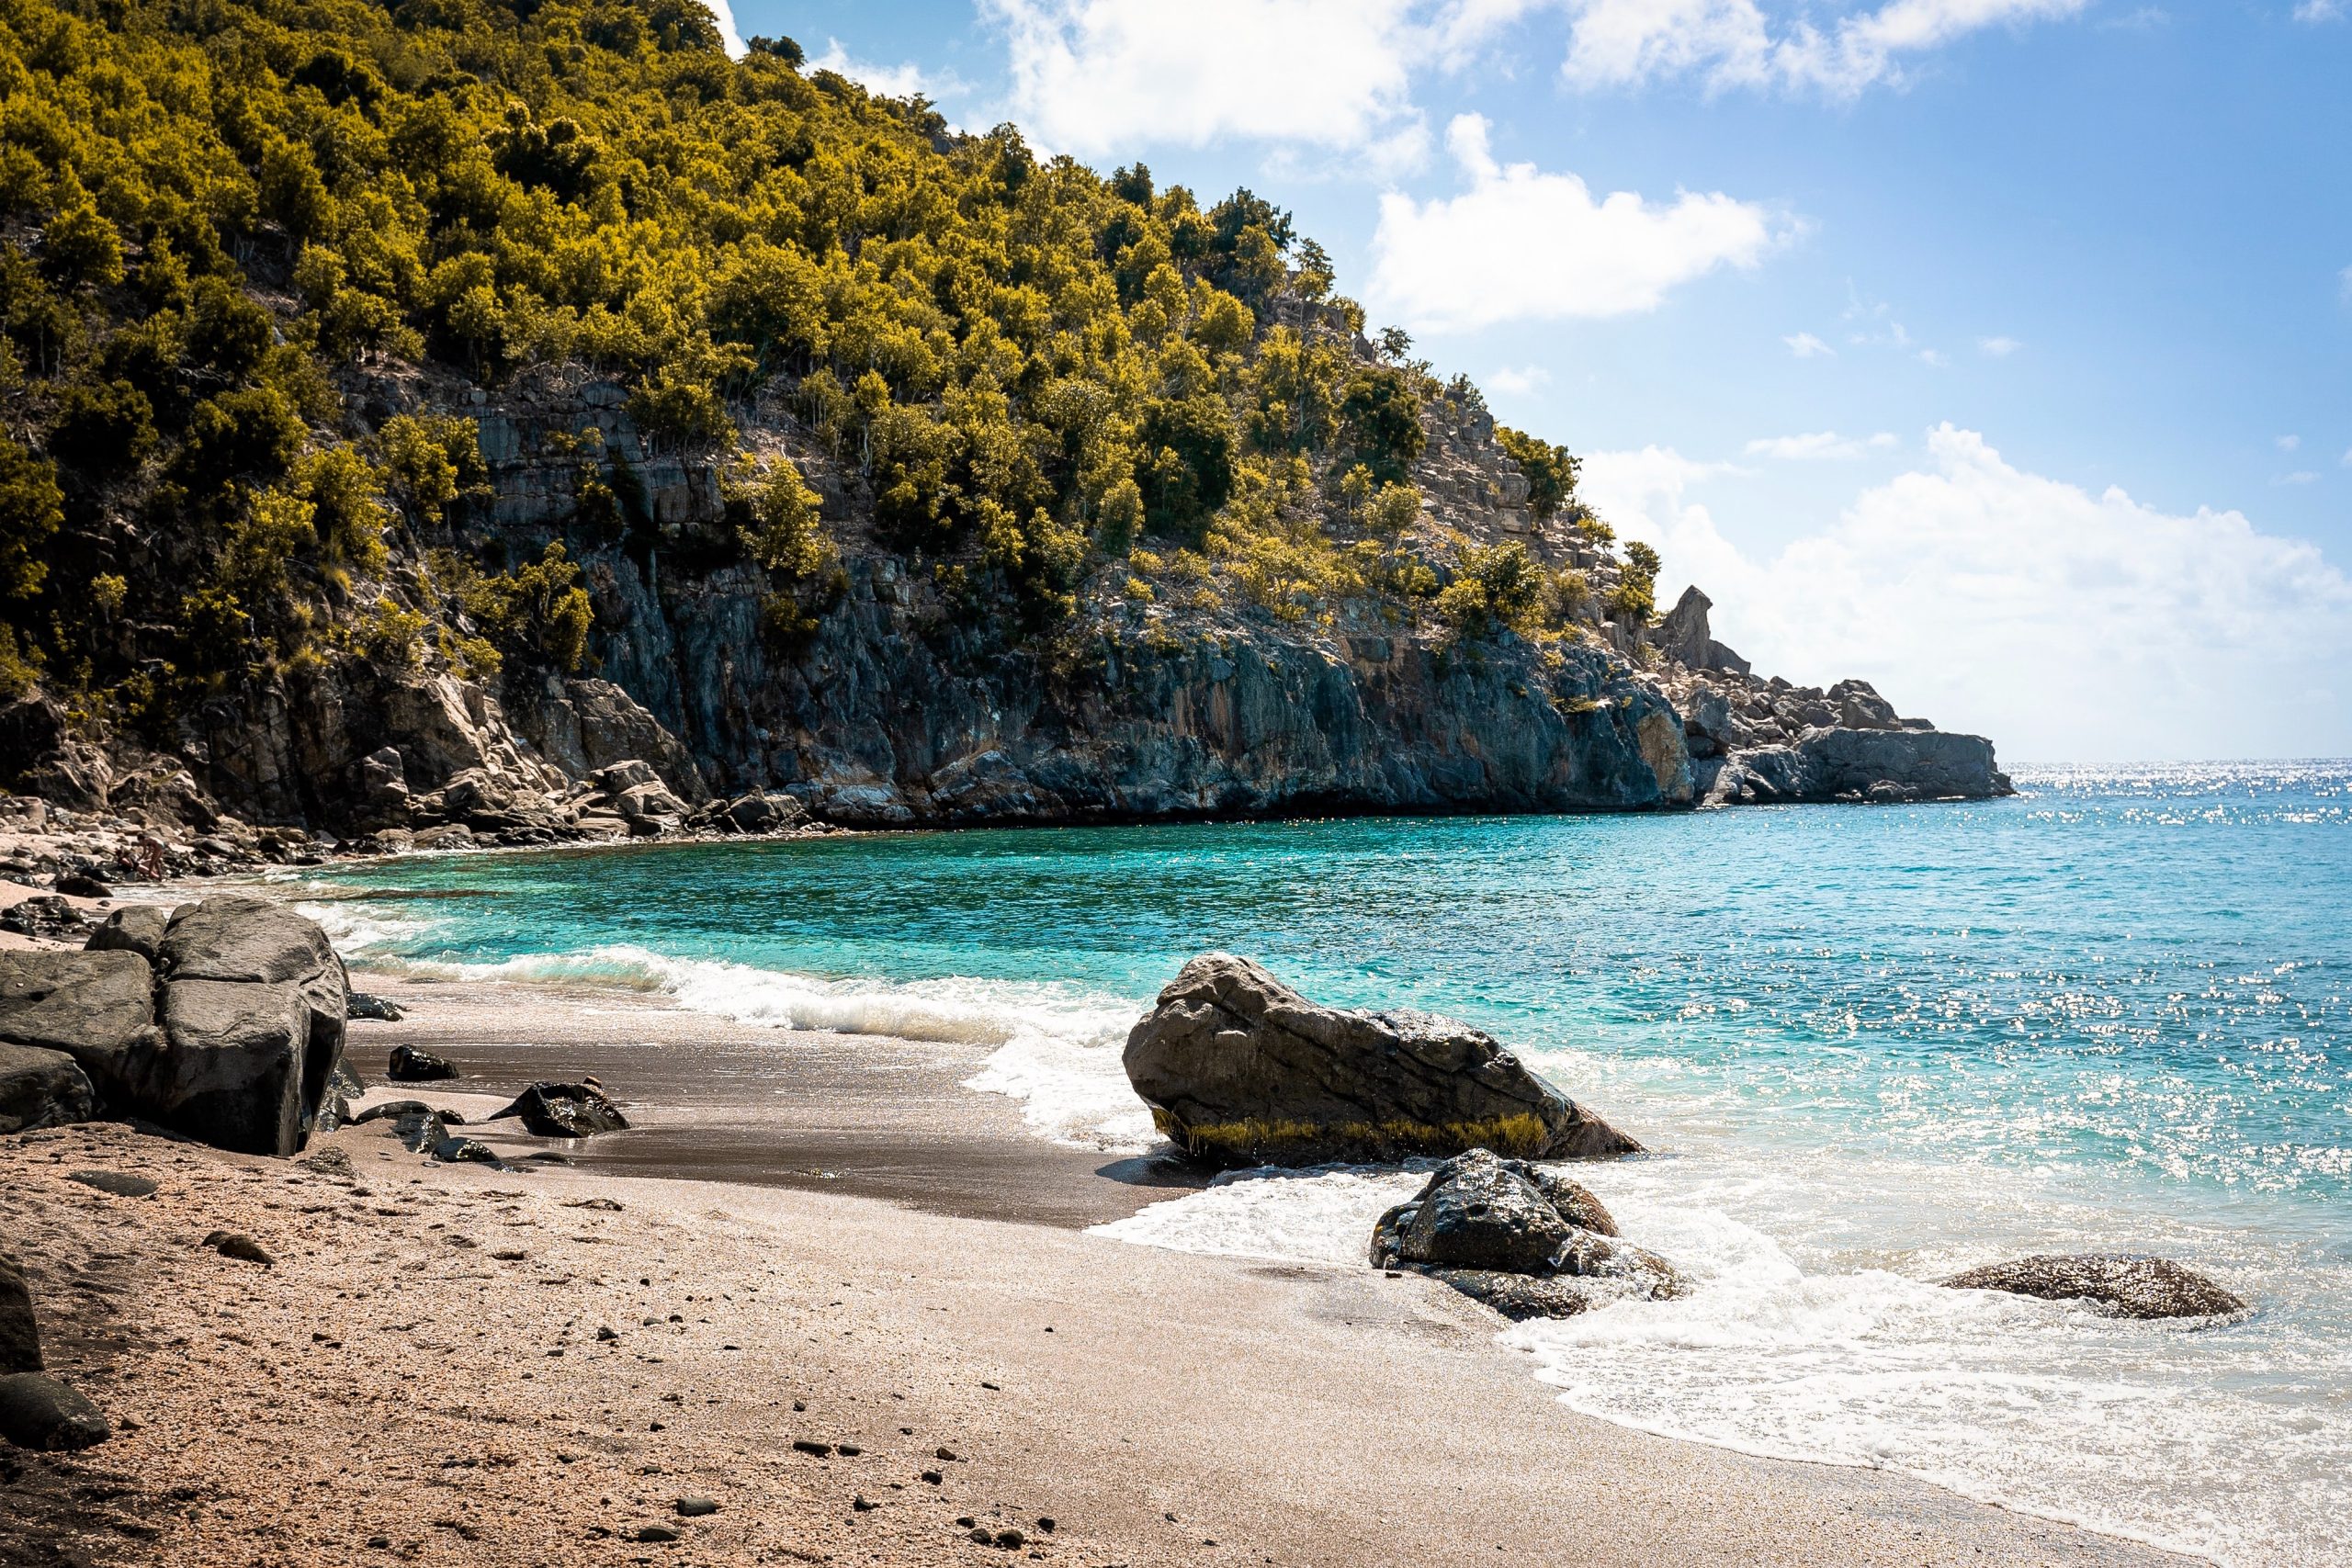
(1876, 1045)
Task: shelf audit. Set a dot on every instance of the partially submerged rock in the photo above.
(1508, 1234)
(2120, 1284)
(375, 1009)
(39, 1413)
(564, 1111)
(1240, 1070)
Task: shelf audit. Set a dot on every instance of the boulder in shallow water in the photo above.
(1493, 1229)
(375, 1009)
(1241, 1070)
(2120, 1284)
(564, 1111)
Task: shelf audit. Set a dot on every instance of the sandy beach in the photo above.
(463, 1365)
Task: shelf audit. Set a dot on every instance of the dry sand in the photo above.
(422, 1377)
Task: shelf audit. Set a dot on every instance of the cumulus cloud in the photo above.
(1519, 379)
(1997, 348)
(1519, 244)
(2067, 624)
(2300, 476)
(900, 81)
(2288, 443)
(1804, 345)
(1099, 77)
(2320, 11)
(1822, 446)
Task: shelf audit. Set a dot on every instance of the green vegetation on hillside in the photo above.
(221, 216)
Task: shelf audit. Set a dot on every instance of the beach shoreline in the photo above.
(885, 1247)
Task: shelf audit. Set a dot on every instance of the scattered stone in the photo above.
(606, 1334)
(43, 915)
(847, 1451)
(1241, 1070)
(42, 1088)
(235, 1243)
(811, 1446)
(409, 1065)
(934, 1477)
(861, 1505)
(1011, 1541)
(696, 1507)
(2120, 1284)
(114, 1181)
(327, 1162)
(655, 1535)
(564, 1111)
(376, 1009)
(606, 1204)
(37, 1411)
(82, 884)
(946, 1453)
(19, 1328)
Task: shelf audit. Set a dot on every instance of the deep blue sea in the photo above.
(1873, 1046)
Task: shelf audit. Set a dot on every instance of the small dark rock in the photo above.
(848, 1450)
(654, 1535)
(235, 1243)
(409, 1065)
(375, 1009)
(810, 1446)
(327, 1162)
(862, 1504)
(696, 1507)
(607, 1334)
(565, 1111)
(1011, 1541)
(1045, 1526)
(38, 1412)
(114, 1181)
(946, 1453)
(81, 884)
(44, 915)
(2120, 1284)
(934, 1477)
(394, 1109)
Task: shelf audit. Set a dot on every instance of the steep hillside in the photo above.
(414, 409)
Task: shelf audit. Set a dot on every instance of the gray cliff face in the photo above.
(903, 708)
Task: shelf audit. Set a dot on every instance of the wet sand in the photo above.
(455, 1364)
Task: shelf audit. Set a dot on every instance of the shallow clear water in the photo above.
(1874, 1046)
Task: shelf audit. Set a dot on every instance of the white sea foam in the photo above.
(2206, 1438)
(1056, 1047)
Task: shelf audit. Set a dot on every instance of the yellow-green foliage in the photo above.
(217, 207)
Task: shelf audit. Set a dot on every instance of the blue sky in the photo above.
(1998, 351)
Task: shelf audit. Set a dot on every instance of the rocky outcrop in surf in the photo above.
(1526, 1241)
(1240, 1070)
(2120, 1284)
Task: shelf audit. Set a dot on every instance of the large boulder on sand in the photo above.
(1527, 1242)
(1240, 1070)
(42, 1088)
(2120, 1284)
(230, 1036)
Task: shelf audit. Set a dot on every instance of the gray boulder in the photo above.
(1239, 1069)
(2120, 1284)
(377, 1010)
(763, 812)
(98, 1008)
(42, 1088)
(134, 928)
(20, 1329)
(409, 1065)
(1494, 1229)
(1912, 764)
(39, 1413)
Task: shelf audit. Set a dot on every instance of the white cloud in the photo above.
(1523, 245)
(2347, 459)
(1933, 358)
(2288, 443)
(900, 81)
(1519, 379)
(2344, 284)
(2067, 625)
(1825, 446)
(1804, 345)
(724, 15)
(1732, 43)
(2320, 11)
(2300, 476)
(1102, 77)
(1998, 347)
